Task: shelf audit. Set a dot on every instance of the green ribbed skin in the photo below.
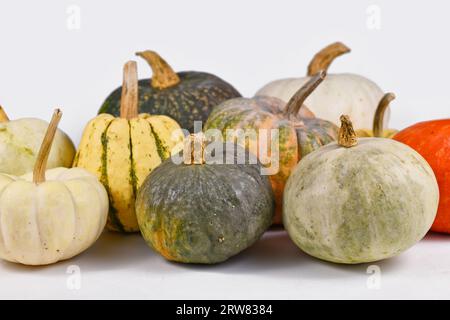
(192, 99)
(204, 213)
(360, 204)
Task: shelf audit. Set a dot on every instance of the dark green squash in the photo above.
(185, 96)
(197, 212)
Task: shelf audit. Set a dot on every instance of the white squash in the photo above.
(345, 93)
(360, 201)
(48, 216)
(20, 141)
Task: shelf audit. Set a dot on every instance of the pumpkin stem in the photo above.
(379, 114)
(194, 149)
(3, 115)
(323, 59)
(41, 160)
(347, 136)
(296, 102)
(129, 98)
(163, 74)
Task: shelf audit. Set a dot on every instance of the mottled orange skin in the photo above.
(160, 246)
(432, 140)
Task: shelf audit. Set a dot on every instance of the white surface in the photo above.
(123, 267)
(43, 64)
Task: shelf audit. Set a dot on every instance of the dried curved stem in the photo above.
(379, 114)
(347, 135)
(41, 161)
(129, 98)
(323, 59)
(163, 74)
(296, 102)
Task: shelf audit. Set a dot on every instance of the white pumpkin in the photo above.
(345, 93)
(360, 201)
(20, 141)
(48, 216)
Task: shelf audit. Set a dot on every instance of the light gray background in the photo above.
(45, 64)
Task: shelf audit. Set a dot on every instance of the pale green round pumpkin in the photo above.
(20, 140)
(360, 201)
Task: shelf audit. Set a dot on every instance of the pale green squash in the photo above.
(20, 140)
(360, 201)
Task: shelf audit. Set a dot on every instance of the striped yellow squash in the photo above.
(123, 150)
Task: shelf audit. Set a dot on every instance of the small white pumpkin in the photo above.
(360, 201)
(345, 93)
(48, 216)
(20, 141)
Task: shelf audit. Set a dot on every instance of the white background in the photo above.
(45, 64)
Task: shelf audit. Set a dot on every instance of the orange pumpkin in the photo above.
(432, 140)
(299, 131)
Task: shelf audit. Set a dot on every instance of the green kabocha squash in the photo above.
(198, 211)
(20, 141)
(122, 151)
(184, 96)
(299, 132)
(359, 201)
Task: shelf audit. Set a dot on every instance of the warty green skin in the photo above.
(192, 99)
(204, 213)
(360, 204)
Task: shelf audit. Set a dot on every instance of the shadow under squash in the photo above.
(436, 236)
(118, 251)
(110, 252)
(276, 253)
(273, 254)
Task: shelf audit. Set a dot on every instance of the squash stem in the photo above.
(41, 160)
(163, 74)
(379, 114)
(129, 98)
(3, 115)
(347, 135)
(194, 149)
(323, 59)
(296, 102)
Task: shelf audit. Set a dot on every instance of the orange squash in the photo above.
(432, 140)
